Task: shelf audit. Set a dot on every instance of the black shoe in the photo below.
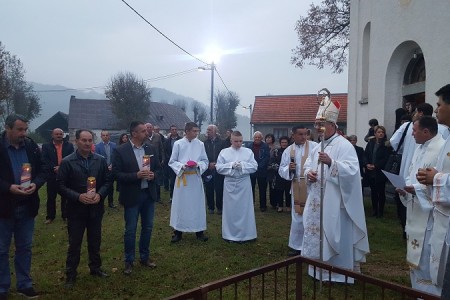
(219, 212)
(294, 253)
(99, 273)
(148, 263)
(202, 237)
(128, 268)
(70, 282)
(263, 209)
(176, 238)
(29, 293)
(112, 206)
(4, 296)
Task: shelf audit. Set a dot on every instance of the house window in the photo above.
(279, 132)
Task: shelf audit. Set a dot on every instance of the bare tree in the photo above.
(225, 108)
(323, 36)
(181, 103)
(130, 98)
(16, 94)
(199, 111)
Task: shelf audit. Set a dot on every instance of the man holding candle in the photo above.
(84, 209)
(136, 177)
(18, 204)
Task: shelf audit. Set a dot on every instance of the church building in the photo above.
(399, 52)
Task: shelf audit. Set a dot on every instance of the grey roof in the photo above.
(164, 115)
(97, 114)
(53, 120)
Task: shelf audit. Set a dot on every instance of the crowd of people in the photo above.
(320, 183)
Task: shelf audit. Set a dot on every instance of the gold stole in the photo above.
(299, 184)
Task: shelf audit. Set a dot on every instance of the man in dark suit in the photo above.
(52, 155)
(137, 192)
(155, 140)
(85, 206)
(213, 180)
(19, 203)
(168, 146)
(262, 156)
(105, 148)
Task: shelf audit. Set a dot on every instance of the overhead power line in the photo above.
(165, 36)
(168, 76)
(178, 46)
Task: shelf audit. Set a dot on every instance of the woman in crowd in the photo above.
(271, 171)
(123, 138)
(376, 154)
(282, 187)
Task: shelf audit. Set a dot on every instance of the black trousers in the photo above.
(401, 210)
(111, 197)
(214, 185)
(75, 228)
(378, 195)
(166, 170)
(52, 192)
(281, 195)
(262, 188)
(172, 177)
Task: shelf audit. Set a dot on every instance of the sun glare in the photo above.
(213, 54)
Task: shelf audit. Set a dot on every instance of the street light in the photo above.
(212, 68)
(251, 125)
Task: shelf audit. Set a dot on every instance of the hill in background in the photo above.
(52, 102)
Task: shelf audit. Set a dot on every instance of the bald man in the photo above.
(52, 154)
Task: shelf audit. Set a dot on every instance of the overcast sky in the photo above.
(82, 43)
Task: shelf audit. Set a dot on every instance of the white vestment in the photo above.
(238, 214)
(409, 145)
(345, 242)
(419, 220)
(440, 236)
(188, 212)
(296, 232)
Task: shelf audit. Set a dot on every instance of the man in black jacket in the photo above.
(168, 145)
(262, 156)
(137, 193)
(19, 202)
(84, 204)
(213, 180)
(52, 155)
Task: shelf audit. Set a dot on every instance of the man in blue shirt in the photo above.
(105, 148)
(19, 204)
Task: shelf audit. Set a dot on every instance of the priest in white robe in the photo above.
(417, 199)
(238, 214)
(188, 161)
(439, 179)
(291, 168)
(345, 242)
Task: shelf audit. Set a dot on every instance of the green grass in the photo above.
(189, 263)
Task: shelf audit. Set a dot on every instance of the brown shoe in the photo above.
(288, 209)
(48, 221)
(148, 263)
